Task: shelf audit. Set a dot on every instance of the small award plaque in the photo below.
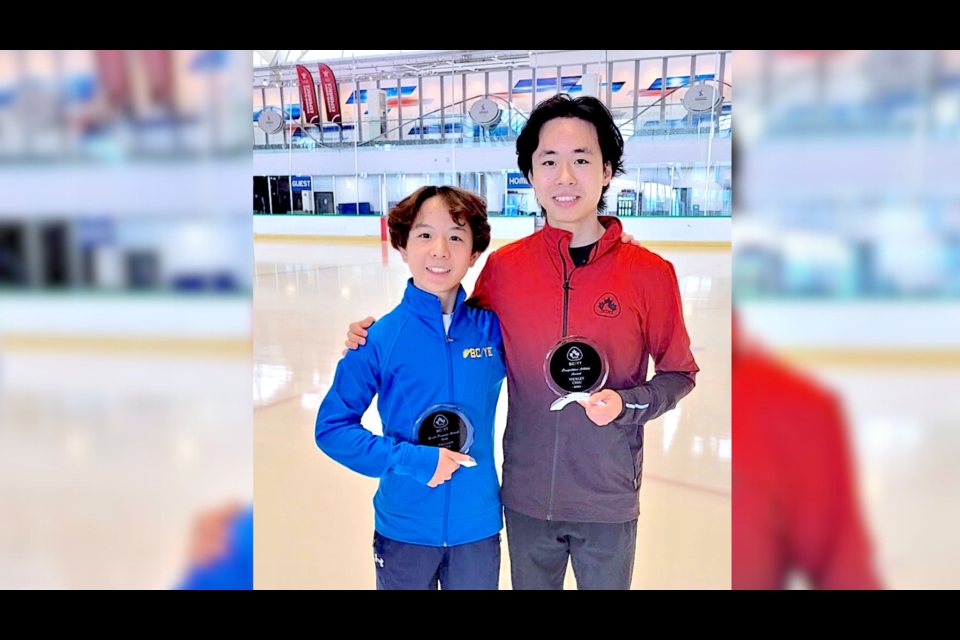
(444, 426)
(575, 368)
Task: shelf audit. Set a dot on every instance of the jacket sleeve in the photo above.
(666, 336)
(482, 296)
(340, 435)
(828, 538)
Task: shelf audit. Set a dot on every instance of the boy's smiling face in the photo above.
(439, 251)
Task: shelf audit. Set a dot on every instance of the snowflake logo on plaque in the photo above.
(575, 368)
(444, 426)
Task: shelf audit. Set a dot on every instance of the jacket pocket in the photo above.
(632, 464)
(386, 484)
(633, 458)
(404, 495)
(596, 461)
(639, 456)
(474, 490)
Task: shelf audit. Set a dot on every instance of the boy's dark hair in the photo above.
(466, 208)
(586, 108)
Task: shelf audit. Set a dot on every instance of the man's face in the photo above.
(438, 251)
(568, 173)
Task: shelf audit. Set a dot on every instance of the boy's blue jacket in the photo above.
(412, 364)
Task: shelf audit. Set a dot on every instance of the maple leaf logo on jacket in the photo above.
(607, 306)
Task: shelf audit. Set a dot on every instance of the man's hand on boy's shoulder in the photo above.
(357, 334)
(626, 238)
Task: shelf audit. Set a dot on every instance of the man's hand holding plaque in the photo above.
(602, 407)
(575, 368)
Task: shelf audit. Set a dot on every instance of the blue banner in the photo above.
(517, 181)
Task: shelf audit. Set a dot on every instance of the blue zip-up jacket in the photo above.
(412, 364)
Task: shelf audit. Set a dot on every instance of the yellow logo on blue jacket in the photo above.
(478, 352)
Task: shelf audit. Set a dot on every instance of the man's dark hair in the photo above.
(586, 108)
(466, 208)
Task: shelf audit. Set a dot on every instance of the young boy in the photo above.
(430, 350)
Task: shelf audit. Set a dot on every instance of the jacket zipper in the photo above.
(556, 430)
(446, 498)
(566, 292)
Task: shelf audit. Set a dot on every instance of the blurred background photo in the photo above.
(125, 285)
(847, 294)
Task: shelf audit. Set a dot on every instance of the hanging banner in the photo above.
(112, 69)
(331, 97)
(308, 96)
(159, 75)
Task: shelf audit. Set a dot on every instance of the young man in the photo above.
(571, 478)
(431, 350)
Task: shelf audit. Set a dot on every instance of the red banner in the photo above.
(112, 69)
(308, 96)
(159, 74)
(331, 97)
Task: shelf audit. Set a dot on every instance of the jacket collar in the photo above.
(558, 242)
(427, 305)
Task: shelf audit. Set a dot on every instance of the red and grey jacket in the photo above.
(558, 465)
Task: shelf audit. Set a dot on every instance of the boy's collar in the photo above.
(426, 304)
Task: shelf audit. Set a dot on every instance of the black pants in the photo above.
(405, 566)
(602, 553)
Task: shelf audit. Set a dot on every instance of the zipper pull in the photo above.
(449, 339)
